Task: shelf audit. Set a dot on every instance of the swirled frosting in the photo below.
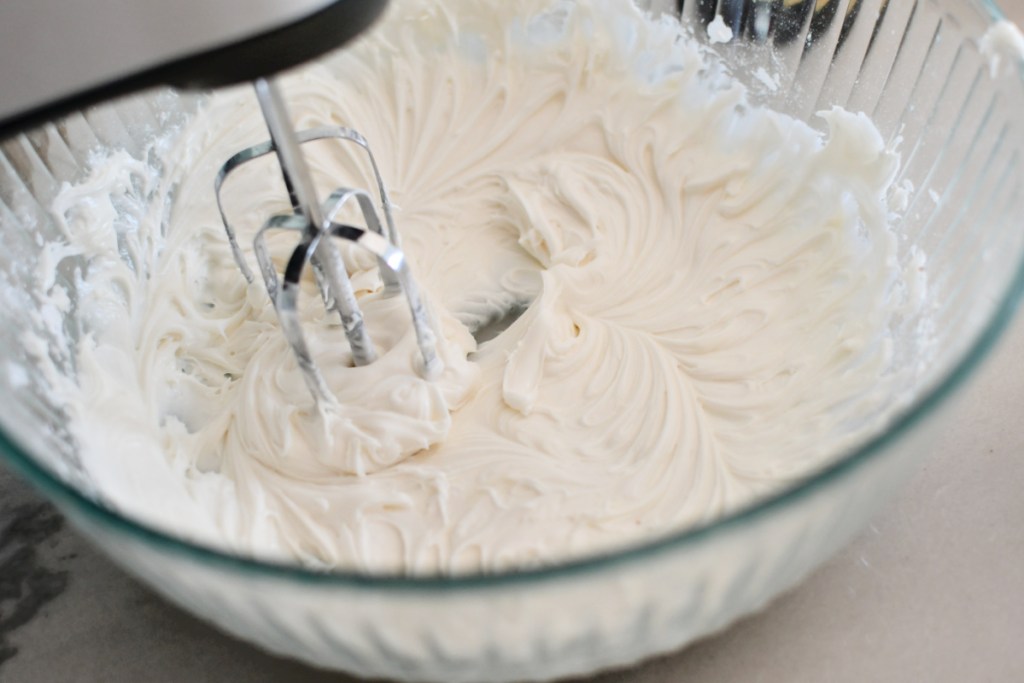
(708, 290)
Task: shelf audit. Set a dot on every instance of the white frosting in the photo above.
(1003, 46)
(712, 286)
(719, 31)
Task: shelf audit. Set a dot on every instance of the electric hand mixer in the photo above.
(56, 57)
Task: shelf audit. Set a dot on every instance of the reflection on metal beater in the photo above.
(314, 223)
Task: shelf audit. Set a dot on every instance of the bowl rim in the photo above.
(66, 496)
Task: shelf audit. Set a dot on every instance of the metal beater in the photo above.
(47, 69)
(314, 225)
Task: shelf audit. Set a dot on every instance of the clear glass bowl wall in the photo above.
(914, 66)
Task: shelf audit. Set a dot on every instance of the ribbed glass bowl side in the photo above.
(913, 66)
(916, 69)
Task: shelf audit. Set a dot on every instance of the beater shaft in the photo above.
(326, 258)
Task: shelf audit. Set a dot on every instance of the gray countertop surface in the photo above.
(933, 590)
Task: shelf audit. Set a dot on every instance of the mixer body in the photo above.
(56, 57)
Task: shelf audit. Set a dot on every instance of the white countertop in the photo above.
(932, 591)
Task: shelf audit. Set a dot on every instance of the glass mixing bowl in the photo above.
(913, 65)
